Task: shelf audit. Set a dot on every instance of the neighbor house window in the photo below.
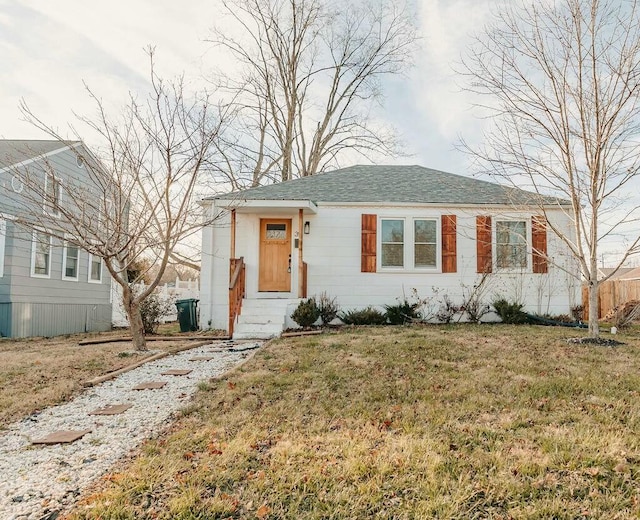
(70, 258)
(41, 254)
(425, 247)
(511, 244)
(3, 234)
(392, 245)
(52, 195)
(95, 269)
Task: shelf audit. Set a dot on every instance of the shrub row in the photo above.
(406, 310)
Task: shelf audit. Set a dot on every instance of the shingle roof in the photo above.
(18, 150)
(389, 184)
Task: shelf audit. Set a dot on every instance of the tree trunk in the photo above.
(137, 328)
(594, 327)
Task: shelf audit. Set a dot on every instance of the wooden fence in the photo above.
(611, 294)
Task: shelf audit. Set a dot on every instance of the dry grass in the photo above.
(39, 372)
(451, 422)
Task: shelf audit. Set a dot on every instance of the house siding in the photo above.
(46, 306)
(5, 279)
(44, 319)
(5, 320)
(333, 250)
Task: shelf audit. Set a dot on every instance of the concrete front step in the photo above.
(258, 330)
(262, 318)
(252, 334)
(264, 305)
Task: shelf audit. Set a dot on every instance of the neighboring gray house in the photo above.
(47, 286)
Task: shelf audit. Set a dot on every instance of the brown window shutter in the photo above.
(539, 244)
(483, 244)
(449, 244)
(369, 243)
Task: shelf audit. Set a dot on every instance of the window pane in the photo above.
(392, 255)
(71, 262)
(425, 255)
(425, 231)
(393, 231)
(511, 244)
(392, 243)
(276, 232)
(96, 268)
(41, 260)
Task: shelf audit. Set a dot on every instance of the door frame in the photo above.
(263, 222)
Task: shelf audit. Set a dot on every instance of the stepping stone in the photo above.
(203, 358)
(150, 385)
(62, 437)
(176, 372)
(111, 409)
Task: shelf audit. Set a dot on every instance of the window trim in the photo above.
(438, 244)
(58, 181)
(409, 245)
(89, 279)
(404, 244)
(17, 185)
(527, 244)
(33, 253)
(65, 249)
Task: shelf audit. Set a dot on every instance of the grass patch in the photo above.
(453, 422)
(36, 373)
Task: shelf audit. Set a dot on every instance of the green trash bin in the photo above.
(187, 314)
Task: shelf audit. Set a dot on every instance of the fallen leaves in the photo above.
(263, 511)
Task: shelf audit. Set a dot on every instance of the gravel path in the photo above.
(36, 482)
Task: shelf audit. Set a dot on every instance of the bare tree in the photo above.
(310, 70)
(562, 81)
(140, 198)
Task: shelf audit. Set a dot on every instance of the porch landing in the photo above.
(263, 318)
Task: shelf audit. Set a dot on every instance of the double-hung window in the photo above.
(425, 245)
(41, 254)
(95, 269)
(70, 257)
(511, 244)
(407, 243)
(392, 246)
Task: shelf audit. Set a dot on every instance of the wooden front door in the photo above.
(275, 255)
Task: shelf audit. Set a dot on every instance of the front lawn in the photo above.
(39, 372)
(451, 422)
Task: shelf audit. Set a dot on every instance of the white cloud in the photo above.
(447, 27)
(48, 49)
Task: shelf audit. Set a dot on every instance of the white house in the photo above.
(367, 235)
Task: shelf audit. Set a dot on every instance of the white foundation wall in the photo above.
(214, 275)
(332, 251)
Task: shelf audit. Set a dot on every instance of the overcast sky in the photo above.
(48, 49)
